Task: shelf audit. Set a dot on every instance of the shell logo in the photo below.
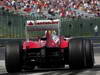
(42, 22)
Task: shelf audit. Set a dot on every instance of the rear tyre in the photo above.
(89, 53)
(12, 57)
(76, 54)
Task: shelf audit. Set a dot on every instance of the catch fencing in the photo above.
(13, 26)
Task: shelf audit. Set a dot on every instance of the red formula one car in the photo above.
(50, 51)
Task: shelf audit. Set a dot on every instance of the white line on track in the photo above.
(2, 67)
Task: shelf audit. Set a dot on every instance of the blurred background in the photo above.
(78, 17)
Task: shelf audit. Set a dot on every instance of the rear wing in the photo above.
(43, 25)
